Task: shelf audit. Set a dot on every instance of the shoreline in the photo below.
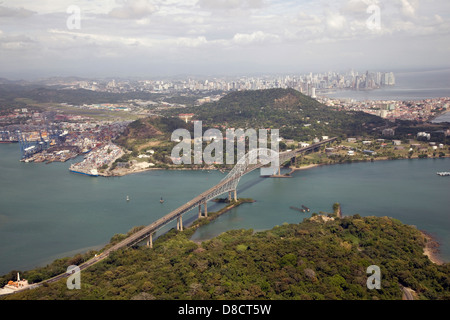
(311, 166)
(121, 174)
(293, 169)
(431, 248)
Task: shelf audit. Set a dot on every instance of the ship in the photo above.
(128, 198)
(298, 209)
(443, 174)
(161, 200)
(91, 172)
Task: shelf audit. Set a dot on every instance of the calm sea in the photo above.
(408, 86)
(46, 212)
(445, 117)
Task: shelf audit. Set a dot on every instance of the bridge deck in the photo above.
(155, 226)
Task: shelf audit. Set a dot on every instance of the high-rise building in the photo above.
(391, 79)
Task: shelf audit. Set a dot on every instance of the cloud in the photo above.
(230, 4)
(133, 9)
(255, 37)
(220, 35)
(357, 8)
(16, 42)
(335, 21)
(438, 18)
(409, 7)
(6, 12)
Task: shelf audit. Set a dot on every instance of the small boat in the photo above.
(298, 209)
(162, 200)
(128, 198)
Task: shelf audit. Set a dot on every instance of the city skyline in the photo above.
(142, 38)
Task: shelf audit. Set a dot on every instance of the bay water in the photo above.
(417, 85)
(46, 212)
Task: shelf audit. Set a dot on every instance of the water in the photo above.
(445, 117)
(408, 86)
(408, 190)
(46, 212)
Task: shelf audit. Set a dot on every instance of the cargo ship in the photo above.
(443, 174)
(91, 172)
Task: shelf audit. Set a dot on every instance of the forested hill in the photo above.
(310, 260)
(296, 115)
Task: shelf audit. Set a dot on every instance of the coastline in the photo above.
(293, 169)
(311, 166)
(132, 171)
(431, 248)
(444, 114)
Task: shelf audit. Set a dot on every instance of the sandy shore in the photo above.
(431, 249)
(310, 166)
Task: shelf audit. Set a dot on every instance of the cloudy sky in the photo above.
(151, 38)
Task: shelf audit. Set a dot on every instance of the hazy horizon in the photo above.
(172, 38)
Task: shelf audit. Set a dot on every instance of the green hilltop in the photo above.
(297, 116)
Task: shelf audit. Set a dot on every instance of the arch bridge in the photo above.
(229, 184)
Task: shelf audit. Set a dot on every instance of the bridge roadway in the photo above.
(147, 231)
(200, 199)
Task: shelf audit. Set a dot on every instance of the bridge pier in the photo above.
(204, 214)
(180, 223)
(229, 196)
(235, 195)
(150, 241)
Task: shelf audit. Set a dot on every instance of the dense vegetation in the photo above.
(10, 93)
(296, 115)
(310, 260)
(408, 129)
(45, 94)
(141, 131)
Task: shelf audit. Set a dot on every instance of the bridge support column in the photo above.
(279, 170)
(235, 195)
(204, 214)
(150, 241)
(180, 223)
(229, 196)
